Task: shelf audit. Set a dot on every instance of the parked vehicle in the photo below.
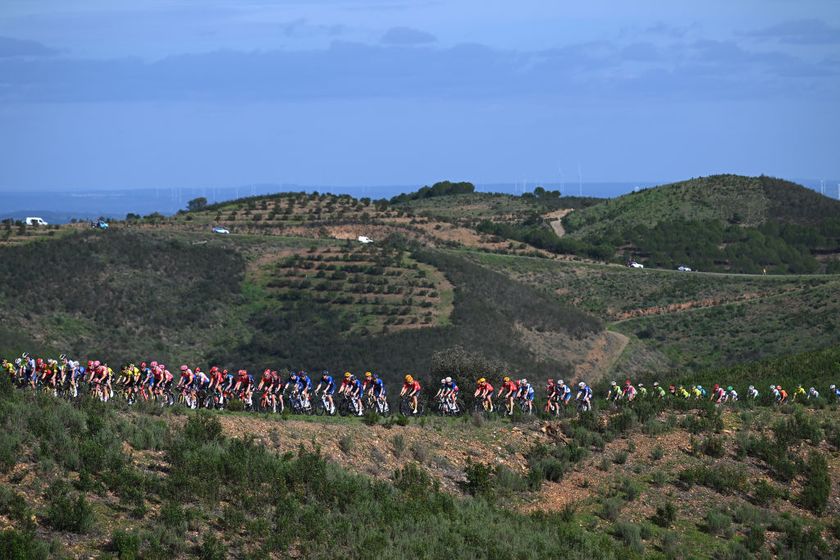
(220, 230)
(35, 221)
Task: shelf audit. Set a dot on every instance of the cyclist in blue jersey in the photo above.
(379, 393)
(356, 391)
(526, 394)
(304, 387)
(584, 396)
(328, 384)
(564, 392)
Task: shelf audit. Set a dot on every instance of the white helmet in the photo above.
(524, 381)
(832, 387)
(812, 389)
(581, 384)
(751, 387)
(561, 382)
(448, 380)
(772, 387)
(641, 384)
(443, 381)
(613, 383)
(656, 383)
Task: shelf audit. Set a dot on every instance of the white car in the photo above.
(365, 239)
(634, 264)
(221, 230)
(683, 268)
(35, 221)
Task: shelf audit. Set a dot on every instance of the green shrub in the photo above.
(66, 512)
(620, 458)
(657, 453)
(126, 545)
(666, 514)
(212, 548)
(713, 447)
(203, 427)
(630, 534)
(722, 478)
(754, 540)
(610, 508)
(398, 445)
(764, 493)
(345, 443)
(479, 479)
(817, 488)
(17, 545)
(717, 523)
(658, 478)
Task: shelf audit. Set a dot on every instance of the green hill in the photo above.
(723, 223)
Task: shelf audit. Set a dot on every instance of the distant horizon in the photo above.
(64, 205)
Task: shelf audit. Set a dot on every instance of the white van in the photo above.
(35, 221)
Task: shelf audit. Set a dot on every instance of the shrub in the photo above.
(713, 447)
(658, 478)
(657, 453)
(666, 514)
(212, 548)
(754, 540)
(345, 443)
(17, 545)
(610, 508)
(631, 535)
(125, 544)
(620, 458)
(764, 493)
(817, 488)
(479, 479)
(721, 478)
(66, 512)
(717, 522)
(398, 445)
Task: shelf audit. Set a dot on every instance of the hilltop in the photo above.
(722, 222)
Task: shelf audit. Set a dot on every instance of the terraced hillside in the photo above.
(377, 288)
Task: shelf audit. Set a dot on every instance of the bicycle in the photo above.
(407, 410)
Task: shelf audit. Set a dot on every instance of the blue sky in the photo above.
(201, 93)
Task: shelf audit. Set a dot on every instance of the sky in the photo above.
(97, 94)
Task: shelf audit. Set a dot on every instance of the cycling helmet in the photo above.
(641, 384)
(184, 368)
(729, 388)
(550, 381)
(62, 357)
(751, 388)
(409, 378)
(561, 382)
(448, 380)
(443, 381)
(368, 375)
(482, 380)
(832, 386)
(154, 364)
(143, 365)
(613, 383)
(581, 384)
(506, 379)
(347, 375)
(811, 389)
(524, 381)
(627, 382)
(656, 383)
(18, 362)
(772, 387)
(716, 387)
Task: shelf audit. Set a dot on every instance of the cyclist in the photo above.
(779, 395)
(267, 385)
(451, 391)
(731, 394)
(355, 392)
(799, 393)
(367, 384)
(642, 391)
(564, 392)
(718, 394)
(696, 392)
(614, 393)
(201, 383)
(526, 394)
(658, 391)
(484, 394)
(304, 388)
(835, 391)
(752, 393)
(584, 396)
(508, 392)
(379, 393)
(551, 405)
(629, 392)
(813, 393)
(411, 389)
(329, 389)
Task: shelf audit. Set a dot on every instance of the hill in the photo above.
(722, 222)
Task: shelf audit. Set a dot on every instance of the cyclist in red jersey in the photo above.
(411, 388)
(484, 392)
(508, 392)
